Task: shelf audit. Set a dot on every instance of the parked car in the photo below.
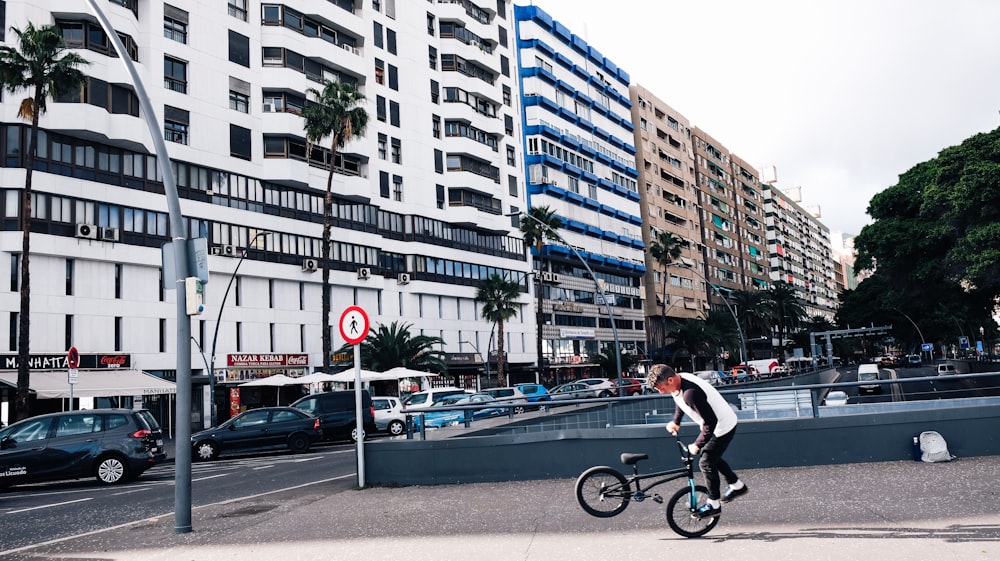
(112, 445)
(572, 390)
(602, 387)
(714, 377)
(389, 415)
(426, 398)
(335, 411)
(441, 416)
(520, 395)
(629, 386)
(534, 392)
(836, 398)
(259, 429)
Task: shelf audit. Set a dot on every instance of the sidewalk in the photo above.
(886, 511)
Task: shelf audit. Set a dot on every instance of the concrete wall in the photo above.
(885, 436)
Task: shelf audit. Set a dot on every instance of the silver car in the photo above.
(389, 416)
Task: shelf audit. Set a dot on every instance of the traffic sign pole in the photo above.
(354, 327)
(73, 375)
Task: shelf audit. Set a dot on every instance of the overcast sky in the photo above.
(841, 97)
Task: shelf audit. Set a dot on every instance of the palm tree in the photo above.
(755, 314)
(499, 299)
(41, 67)
(335, 113)
(787, 310)
(390, 346)
(665, 249)
(540, 225)
(692, 336)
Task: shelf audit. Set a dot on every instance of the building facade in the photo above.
(580, 163)
(419, 199)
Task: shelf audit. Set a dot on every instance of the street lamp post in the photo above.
(743, 341)
(486, 362)
(218, 321)
(597, 282)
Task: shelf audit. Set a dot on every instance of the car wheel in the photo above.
(298, 443)
(396, 428)
(604, 393)
(518, 409)
(206, 450)
(111, 470)
(354, 434)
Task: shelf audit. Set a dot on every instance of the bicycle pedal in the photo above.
(658, 499)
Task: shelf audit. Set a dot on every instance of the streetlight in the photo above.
(743, 341)
(218, 320)
(486, 362)
(597, 282)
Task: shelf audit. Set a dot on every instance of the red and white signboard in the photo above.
(354, 325)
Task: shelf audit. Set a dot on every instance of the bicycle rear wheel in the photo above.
(603, 492)
(680, 511)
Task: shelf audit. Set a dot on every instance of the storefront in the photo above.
(230, 398)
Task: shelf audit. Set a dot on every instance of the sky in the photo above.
(840, 97)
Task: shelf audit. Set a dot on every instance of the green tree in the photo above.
(498, 297)
(692, 336)
(664, 250)
(335, 112)
(608, 362)
(540, 225)
(753, 309)
(787, 311)
(40, 67)
(393, 345)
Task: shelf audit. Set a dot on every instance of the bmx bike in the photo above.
(604, 492)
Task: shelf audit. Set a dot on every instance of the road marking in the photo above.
(210, 477)
(263, 467)
(49, 506)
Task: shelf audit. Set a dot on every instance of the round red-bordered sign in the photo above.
(354, 325)
(73, 358)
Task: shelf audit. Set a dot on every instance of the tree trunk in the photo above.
(541, 326)
(21, 408)
(325, 261)
(501, 358)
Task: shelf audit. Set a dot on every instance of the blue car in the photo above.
(534, 392)
(443, 417)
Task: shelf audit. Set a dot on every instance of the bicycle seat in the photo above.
(632, 459)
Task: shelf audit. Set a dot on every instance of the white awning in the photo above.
(50, 384)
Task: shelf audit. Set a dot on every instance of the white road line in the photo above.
(49, 506)
(263, 467)
(210, 477)
(171, 513)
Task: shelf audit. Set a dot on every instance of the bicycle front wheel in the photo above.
(603, 492)
(680, 511)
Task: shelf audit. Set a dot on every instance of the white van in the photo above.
(946, 370)
(867, 373)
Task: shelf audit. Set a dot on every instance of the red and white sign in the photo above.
(73, 358)
(265, 360)
(354, 325)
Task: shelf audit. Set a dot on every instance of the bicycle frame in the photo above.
(665, 476)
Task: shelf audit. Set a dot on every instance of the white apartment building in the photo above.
(580, 163)
(419, 200)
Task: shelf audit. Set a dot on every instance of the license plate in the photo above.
(159, 443)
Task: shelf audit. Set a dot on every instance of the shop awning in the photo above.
(51, 384)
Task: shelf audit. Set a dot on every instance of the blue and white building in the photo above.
(580, 162)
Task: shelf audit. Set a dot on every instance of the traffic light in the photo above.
(194, 292)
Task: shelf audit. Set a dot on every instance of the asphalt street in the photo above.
(885, 511)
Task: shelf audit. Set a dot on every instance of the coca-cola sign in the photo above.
(60, 361)
(269, 359)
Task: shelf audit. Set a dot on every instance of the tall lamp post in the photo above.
(597, 282)
(218, 321)
(486, 362)
(743, 342)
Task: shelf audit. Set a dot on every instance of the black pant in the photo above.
(712, 464)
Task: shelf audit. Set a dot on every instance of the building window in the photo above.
(69, 277)
(118, 334)
(512, 185)
(574, 184)
(510, 156)
(238, 291)
(379, 72)
(380, 108)
(238, 9)
(435, 91)
(119, 271)
(382, 146)
(439, 190)
(383, 184)
(175, 125)
(378, 36)
(438, 161)
(503, 35)
(12, 342)
(174, 74)
(394, 113)
(239, 49)
(506, 95)
(436, 126)
(430, 24)
(69, 332)
(15, 264)
(390, 41)
(239, 102)
(270, 332)
(393, 78)
(239, 336)
(175, 23)
(432, 57)
(397, 151)
(239, 142)
(397, 188)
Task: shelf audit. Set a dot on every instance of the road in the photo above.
(31, 514)
(921, 383)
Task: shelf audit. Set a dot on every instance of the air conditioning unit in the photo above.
(229, 250)
(403, 278)
(309, 265)
(109, 234)
(548, 276)
(88, 231)
(364, 273)
(216, 250)
(268, 108)
(349, 48)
